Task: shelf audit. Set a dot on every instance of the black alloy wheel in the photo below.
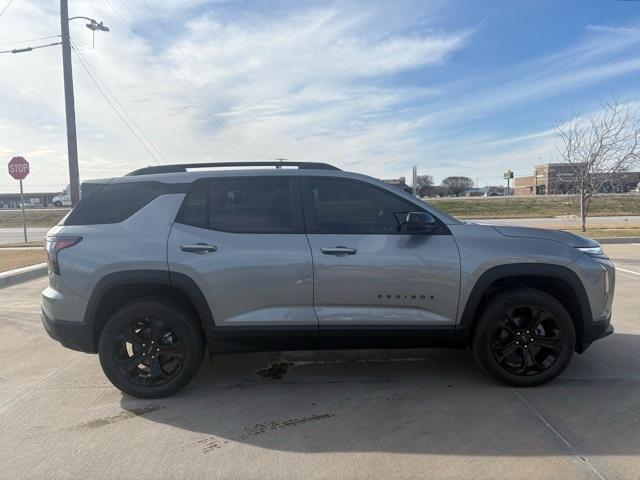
(527, 340)
(148, 351)
(524, 337)
(151, 348)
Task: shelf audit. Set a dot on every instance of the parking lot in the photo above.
(367, 414)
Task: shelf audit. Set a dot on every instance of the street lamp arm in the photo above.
(84, 18)
(93, 23)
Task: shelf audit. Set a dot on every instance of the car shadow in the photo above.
(417, 401)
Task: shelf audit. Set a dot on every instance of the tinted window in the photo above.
(115, 202)
(343, 206)
(195, 211)
(242, 205)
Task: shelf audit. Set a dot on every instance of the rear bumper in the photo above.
(73, 335)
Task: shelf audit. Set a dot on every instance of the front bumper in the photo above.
(595, 331)
(73, 335)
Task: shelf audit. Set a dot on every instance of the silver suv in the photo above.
(151, 268)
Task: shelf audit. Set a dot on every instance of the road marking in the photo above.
(575, 452)
(627, 271)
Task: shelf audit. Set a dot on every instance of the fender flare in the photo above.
(152, 279)
(501, 272)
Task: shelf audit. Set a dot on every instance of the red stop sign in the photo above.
(18, 168)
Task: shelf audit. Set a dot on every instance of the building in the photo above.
(558, 179)
(399, 183)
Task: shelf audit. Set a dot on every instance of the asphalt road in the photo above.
(562, 221)
(16, 234)
(369, 414)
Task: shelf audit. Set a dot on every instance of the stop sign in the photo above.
(18, 168)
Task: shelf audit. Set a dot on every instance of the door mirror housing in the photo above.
(421, 222)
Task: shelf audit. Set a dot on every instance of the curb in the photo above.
(19, 275)
(606, 240)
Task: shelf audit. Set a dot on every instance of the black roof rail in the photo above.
(183, 167)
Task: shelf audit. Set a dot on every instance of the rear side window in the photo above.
(243, 205)
(114, 203)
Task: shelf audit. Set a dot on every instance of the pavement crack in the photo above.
(581, 458)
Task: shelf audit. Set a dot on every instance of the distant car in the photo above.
(492, 194)
(62, 200)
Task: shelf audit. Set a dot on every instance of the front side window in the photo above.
(352, 207)
(242, 205)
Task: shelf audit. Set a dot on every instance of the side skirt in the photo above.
(246, 339)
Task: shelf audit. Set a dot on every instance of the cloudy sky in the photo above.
(455, 87)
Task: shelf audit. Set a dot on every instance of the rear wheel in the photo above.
(524, 338)
(151, 348)
(58, 204)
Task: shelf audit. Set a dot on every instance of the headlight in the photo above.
(596, 252)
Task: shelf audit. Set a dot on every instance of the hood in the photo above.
(570, 239)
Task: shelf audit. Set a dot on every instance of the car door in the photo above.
(368, 271)
(241, 240)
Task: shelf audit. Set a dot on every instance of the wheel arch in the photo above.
(558, 281)
(117, 289)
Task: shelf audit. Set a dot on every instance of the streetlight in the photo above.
(69, 103)
(94, 26)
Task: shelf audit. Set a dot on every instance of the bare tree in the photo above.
(598, 149)
(423, 184)
(457, 185)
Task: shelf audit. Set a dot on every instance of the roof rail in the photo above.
(183, 167)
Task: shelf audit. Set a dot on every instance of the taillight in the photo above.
(53, 246)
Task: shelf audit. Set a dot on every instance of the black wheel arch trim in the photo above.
(464, 328)
(150, 278)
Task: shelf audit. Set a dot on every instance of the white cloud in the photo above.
(304, 86)
(317, 84)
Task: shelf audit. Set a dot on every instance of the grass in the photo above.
(30, 243)
(536, 207)
(10, 259)
(607, 232)
(35, 218)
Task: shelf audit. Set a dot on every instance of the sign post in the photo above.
(508, 175)
(19, 169)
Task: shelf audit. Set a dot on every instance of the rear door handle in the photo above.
(198, 248)
(339, 251)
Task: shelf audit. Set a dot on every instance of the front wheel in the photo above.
(151, 348)
(57, 204)
(524, 338)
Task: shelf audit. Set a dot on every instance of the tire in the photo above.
(151, 348)
(524, 338)
(57, 204)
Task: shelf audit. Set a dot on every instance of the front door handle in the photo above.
(339, 251)
(198, 248)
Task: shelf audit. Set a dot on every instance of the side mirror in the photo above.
(421, 222)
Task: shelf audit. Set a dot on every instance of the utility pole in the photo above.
(72, 141)
(414, 180)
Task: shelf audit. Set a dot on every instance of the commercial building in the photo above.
(558, 179)
(400, 183)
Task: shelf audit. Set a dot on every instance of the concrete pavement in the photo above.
(370, 414)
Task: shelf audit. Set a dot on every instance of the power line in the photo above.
(108, 100)
(6, 7)
(130, 117)
(30, 40)
(193, 67)
(29, 49)
(183, 86)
